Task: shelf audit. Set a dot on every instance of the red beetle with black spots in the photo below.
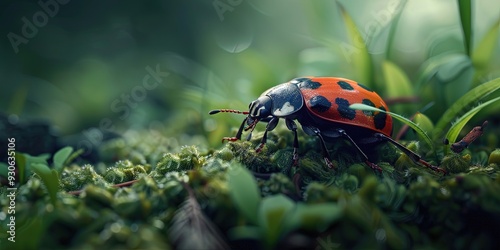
(321, 106)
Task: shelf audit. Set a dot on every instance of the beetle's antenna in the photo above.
(215, 111)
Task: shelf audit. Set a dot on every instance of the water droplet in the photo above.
(115, 227)
(234, 37)
(380, 235)
(49, 208)
(134, 227)
(210, 125)
(158, 224)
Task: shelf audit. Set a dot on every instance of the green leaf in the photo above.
(483, 52)
(402, 119)
(462, 103)
(316, 217)
(60, 158)
(244, 192)
(455, 129)
(431, 67)
(356, 52)
(24, 162)
(464, 6)
(49, 178)
(423, 122)
(397, 83)
(272, 214)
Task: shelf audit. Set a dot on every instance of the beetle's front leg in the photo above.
(270, 126)
(238, 134)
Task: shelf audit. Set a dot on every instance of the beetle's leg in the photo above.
(290, 124)
(270, 126)
(413, 156)
(238, 134)
(326, 154)
(367, 161)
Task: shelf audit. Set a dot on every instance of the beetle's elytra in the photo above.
(321, 106)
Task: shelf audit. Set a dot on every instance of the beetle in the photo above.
(321, 106)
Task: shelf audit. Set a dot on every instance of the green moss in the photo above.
(405, 206)
(224, 154)
(187, 159)
(75, 178)
(124, 171)
(455, 163)
(95, 196)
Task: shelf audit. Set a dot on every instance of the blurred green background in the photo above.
(84, 64)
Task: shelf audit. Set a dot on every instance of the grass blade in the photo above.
(402, 119)
(392, 31)
(356, 52)
(455, 129)
(464, 6)
(465, 101)
(485, 49)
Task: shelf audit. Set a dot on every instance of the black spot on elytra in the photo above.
(307, 83)
(345, 85)
(369, 103)
(379, 119)
(344, 109)
(363, 86)
(320, 103)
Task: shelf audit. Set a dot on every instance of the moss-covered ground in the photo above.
(233, 197)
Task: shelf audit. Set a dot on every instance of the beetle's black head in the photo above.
(282, 101)
(259, 109)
